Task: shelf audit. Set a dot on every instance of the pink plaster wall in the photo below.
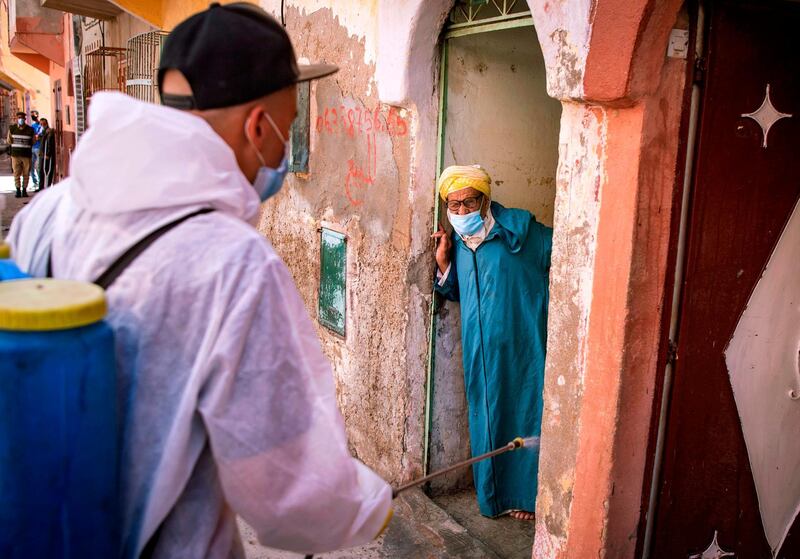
(624, 333)
(659, 157)
(601, 382)
(606, 337)
(627, 47)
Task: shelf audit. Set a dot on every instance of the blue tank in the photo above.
(10, 271)
(58, 433)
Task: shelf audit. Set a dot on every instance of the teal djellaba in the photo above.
(503, 288)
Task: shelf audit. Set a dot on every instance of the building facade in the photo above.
(23, 86)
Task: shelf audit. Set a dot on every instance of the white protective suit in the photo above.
(227, 403)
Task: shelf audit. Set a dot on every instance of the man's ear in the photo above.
(254, 125)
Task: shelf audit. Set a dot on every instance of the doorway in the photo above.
(727, 484)
(494, 111)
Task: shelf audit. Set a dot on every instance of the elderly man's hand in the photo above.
(443, 245)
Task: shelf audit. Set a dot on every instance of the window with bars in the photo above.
(105, 70)
(144, 54)
(471, 12)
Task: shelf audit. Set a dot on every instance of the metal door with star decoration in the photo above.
(714, 497)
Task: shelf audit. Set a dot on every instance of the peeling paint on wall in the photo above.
(359, 164)
(571, 276)
(564, 32)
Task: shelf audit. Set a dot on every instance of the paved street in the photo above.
(13, 205)
(419, 529)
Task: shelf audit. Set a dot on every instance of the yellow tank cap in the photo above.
(49, 304)
(5, 251)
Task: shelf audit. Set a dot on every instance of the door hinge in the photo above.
(672, 353)
(699, 69)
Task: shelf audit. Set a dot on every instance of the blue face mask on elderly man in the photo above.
(466, 225)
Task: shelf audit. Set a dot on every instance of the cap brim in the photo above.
(315, 71)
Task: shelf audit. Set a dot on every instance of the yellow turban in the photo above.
(459, 177)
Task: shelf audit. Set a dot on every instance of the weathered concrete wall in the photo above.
(359, 184)
(583, 134)
(450, 441)
(378, 186)
(650, 212)
(564, 33)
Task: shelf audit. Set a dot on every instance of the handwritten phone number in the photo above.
(342, 120)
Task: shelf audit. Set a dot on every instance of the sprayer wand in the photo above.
(519, 442)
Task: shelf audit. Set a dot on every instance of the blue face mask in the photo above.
(20, 121)
(466, 225)
(268, 180)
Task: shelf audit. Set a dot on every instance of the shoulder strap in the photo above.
(108, 277)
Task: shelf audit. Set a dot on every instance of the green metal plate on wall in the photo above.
(333, 280)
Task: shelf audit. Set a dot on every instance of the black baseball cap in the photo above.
(230, 55)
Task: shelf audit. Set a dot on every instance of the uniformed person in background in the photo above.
(20, 138)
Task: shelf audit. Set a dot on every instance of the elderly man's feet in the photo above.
(522, 515)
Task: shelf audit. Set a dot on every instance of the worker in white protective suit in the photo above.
(227, 404)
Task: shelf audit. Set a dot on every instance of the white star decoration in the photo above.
(714, 551)
(766, 116)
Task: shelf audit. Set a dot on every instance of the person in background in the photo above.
(47, 159)
(37, 143)
(21, 138)
(227, 402)
(496, 264)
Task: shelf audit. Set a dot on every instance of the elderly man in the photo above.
(497, 266)
(226, 402)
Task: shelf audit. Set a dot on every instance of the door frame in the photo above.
(675, 273)
(450, 31)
